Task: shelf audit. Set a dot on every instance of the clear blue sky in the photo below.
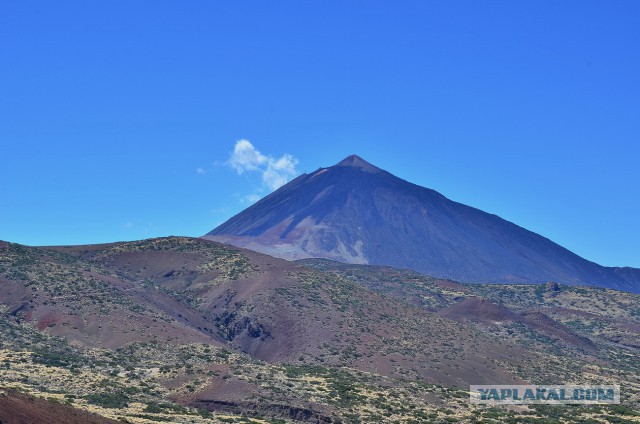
(118, 118)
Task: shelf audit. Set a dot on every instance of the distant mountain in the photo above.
(354, 212)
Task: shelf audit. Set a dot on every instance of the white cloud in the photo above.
(279, 171)
(128, 225)
(201, 171)
(245, 157)
(275, 172)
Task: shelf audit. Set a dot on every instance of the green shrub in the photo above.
(108, 400)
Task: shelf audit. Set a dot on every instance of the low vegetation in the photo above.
(385, 354)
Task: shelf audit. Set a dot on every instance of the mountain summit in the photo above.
(355, 212)
(357, 162)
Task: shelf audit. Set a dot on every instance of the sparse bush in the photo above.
(108, 400)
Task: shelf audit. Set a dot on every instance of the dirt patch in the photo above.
(480, 310)
(18, 408)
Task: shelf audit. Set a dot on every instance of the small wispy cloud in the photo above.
(250, 198)
(275, 172)
(201, 171)
(245, 157)
(279, 171)
(128, 225)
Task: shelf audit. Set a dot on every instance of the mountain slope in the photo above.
(87, 305)
(280, 312)
(19, 408)
(354, 212)
(147, 330)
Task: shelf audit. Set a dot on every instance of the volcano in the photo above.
(355, 212)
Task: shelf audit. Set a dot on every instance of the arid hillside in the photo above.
(187, 330)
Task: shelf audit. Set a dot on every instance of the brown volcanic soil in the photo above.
(480, 310)
(544, 323)
(279, 311)
(461, 303)
(238, 397)
(381, 326)
(89, 306)
(18, 408)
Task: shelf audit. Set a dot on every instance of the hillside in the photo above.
(278, 311)
(187, 330)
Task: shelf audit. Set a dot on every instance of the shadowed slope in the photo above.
(356, 213)
(18, 408)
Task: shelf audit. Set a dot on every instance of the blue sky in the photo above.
(118, 118)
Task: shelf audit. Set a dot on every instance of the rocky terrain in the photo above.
(192, 331)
